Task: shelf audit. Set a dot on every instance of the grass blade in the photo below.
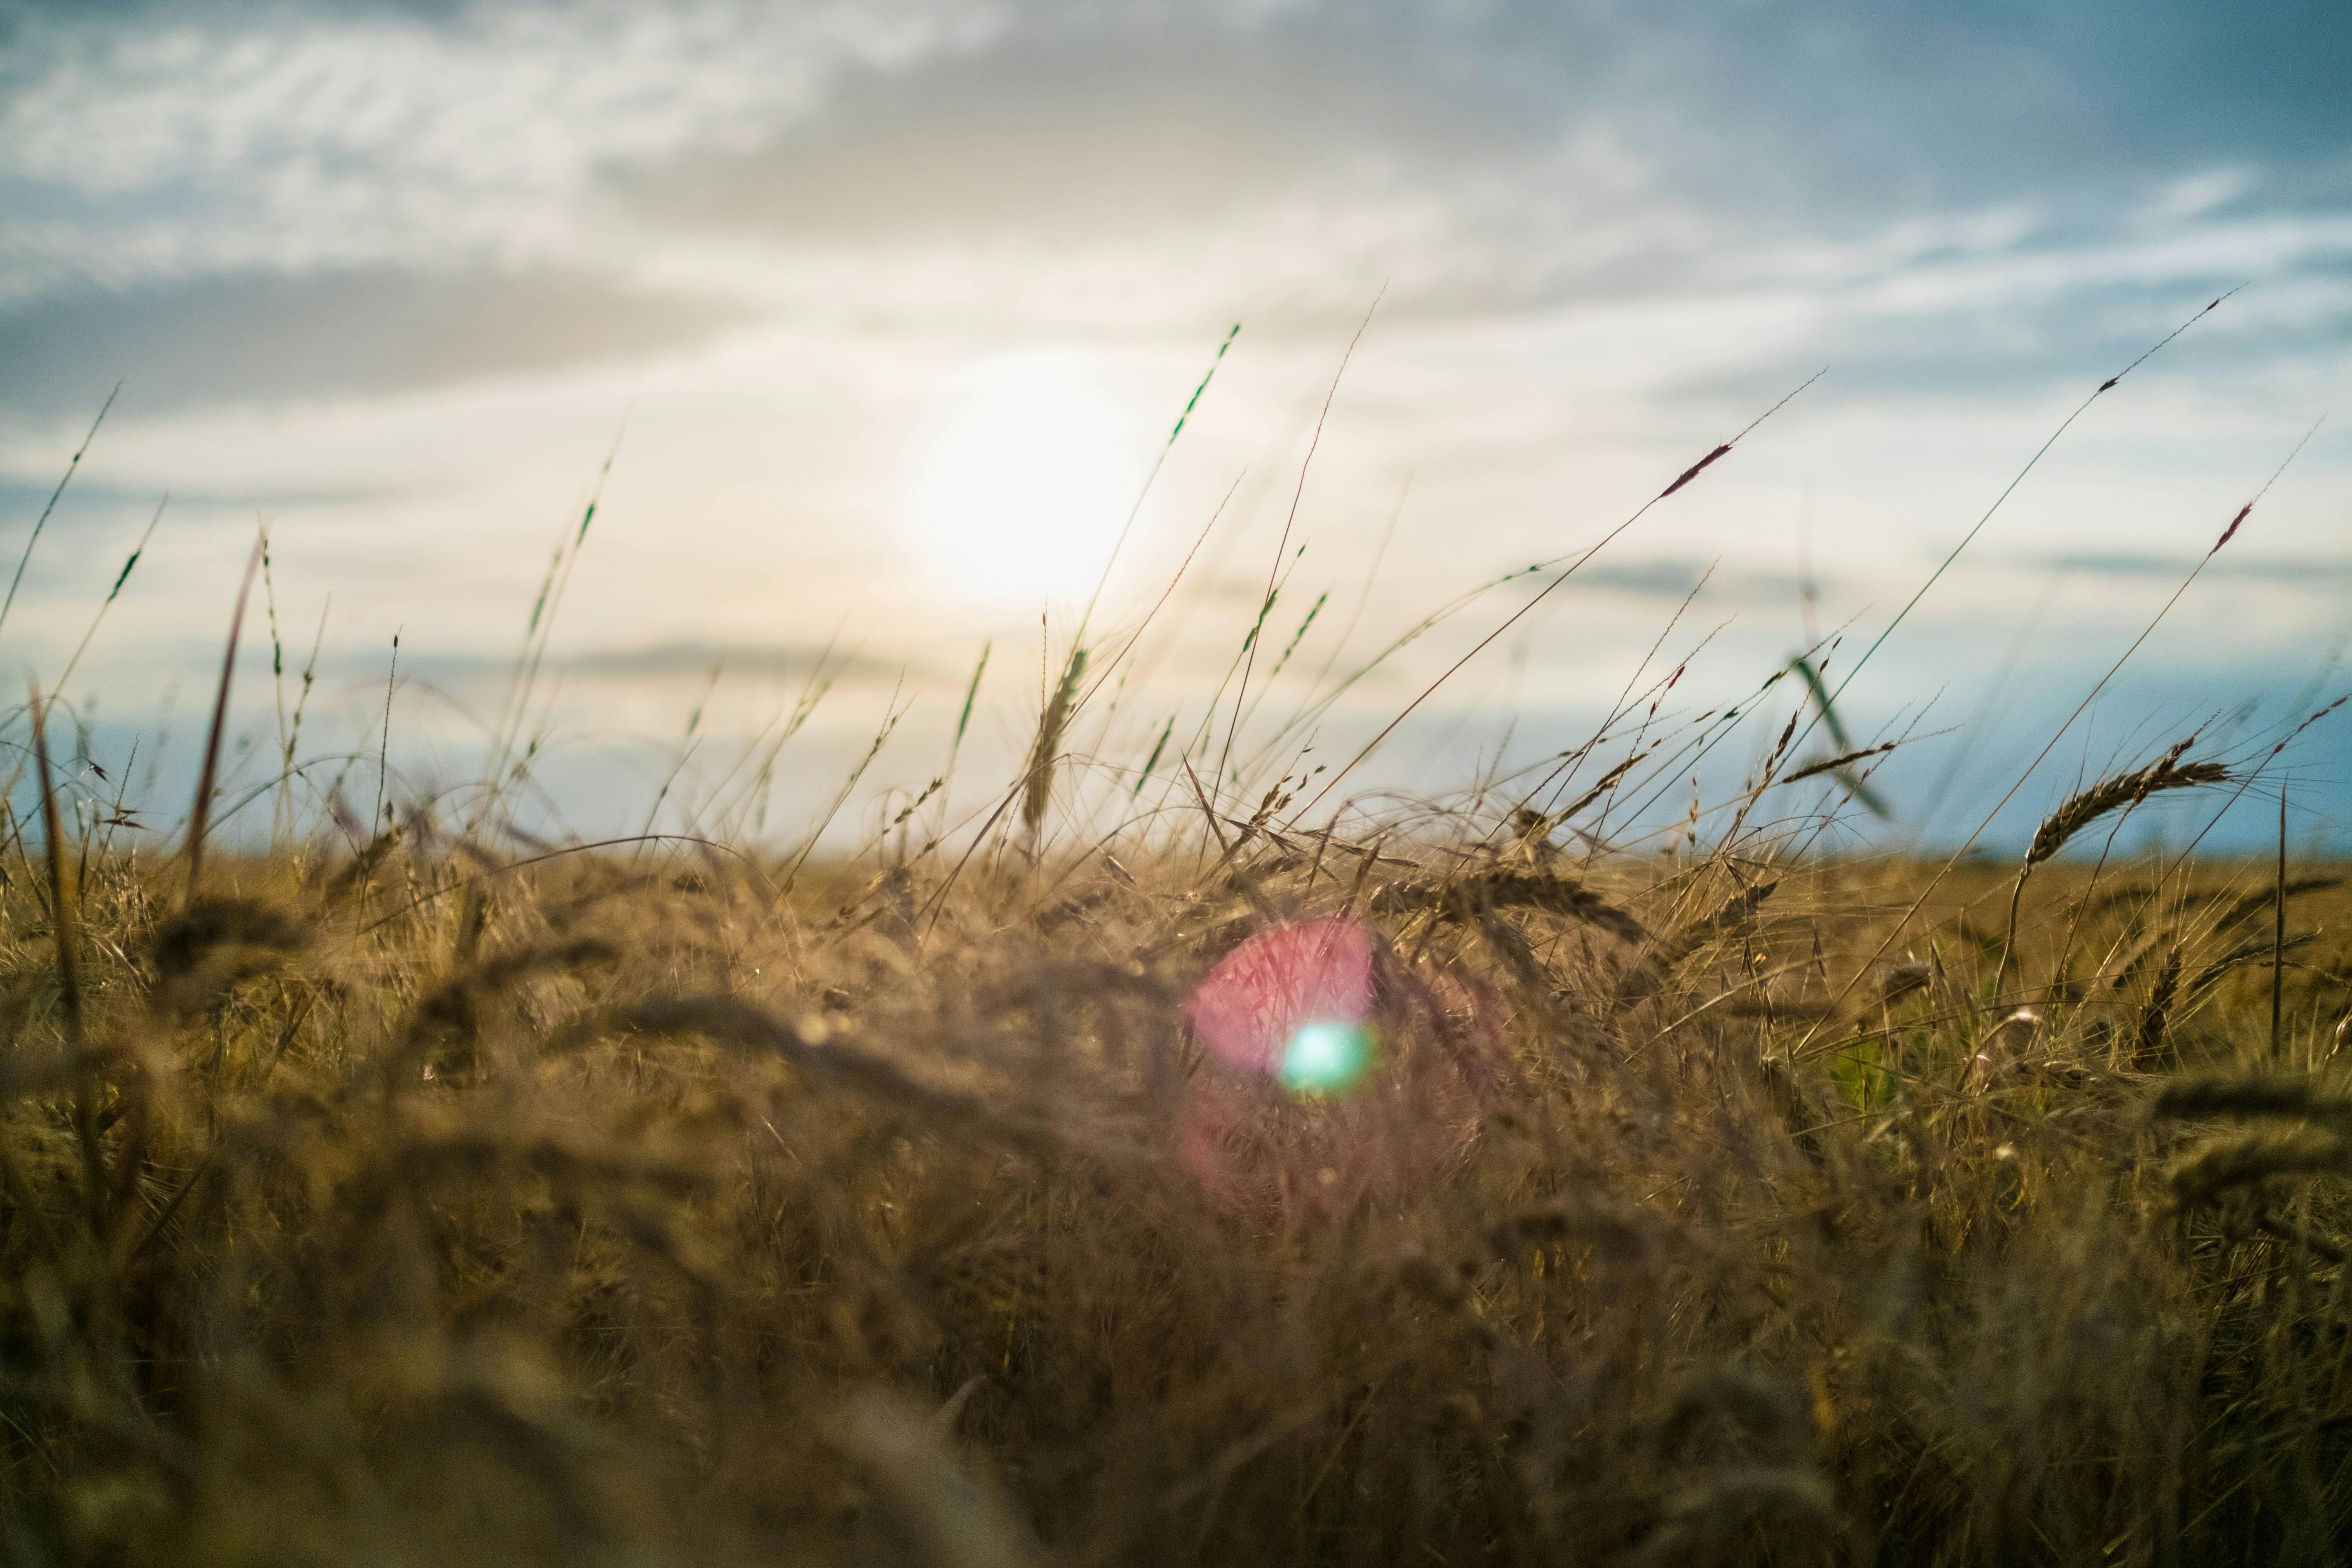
(200, 812)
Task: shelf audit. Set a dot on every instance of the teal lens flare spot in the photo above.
(1326, 1057)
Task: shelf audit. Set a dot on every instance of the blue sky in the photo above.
(896, 300)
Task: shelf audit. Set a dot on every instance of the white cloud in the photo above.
(336, 139)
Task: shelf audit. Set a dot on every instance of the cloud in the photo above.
(2324, 574)
(88, 499)
(258, 338)
(232, 137)
(1085, 164)
(1130, 117)
(932, 163)
(1669, 580)
(676, 661)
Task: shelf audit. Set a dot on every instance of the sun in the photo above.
(1021, 489)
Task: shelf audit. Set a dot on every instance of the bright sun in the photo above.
(1022, 487)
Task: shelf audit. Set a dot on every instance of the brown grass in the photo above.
(596, 1212)
(385, 1199)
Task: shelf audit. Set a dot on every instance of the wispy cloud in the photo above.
(243, 338)
(668, 662)
(2319, 575)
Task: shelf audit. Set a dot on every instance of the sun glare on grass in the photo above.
(1021, 488)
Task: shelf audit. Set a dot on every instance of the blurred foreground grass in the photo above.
(394, 1204)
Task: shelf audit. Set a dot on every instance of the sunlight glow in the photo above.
(1021, 490)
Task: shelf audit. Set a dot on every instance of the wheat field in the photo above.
(403, 1200)
(1269, 1175)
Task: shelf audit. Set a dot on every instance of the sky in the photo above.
(875, 318)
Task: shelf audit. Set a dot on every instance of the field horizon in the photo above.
(417, 1192)
(1158, 1142)
(1091, 783)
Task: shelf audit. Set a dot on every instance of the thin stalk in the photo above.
(279, 807)
(542, 624)
(1895, 930)
(2278, 929)
(111, 594)
(302, 697)
(2011, 488)
(383, 745)
(1288, 522)
(61, 928)
(43, 521)
(200, 813)
(1686, 476)
(1078, 638)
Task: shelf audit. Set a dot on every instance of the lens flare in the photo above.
(1250, 1009)
(1328, 1056)
(1337, 1073)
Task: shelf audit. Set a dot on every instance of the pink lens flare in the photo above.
(1253, 1006)
(1338, 1073)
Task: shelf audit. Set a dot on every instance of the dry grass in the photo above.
(401, 1208)
(389, 1200)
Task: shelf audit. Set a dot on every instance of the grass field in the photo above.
(1653, 1191)
(400, 1203)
